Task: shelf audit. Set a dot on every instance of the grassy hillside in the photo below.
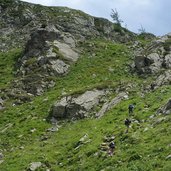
(23, 129)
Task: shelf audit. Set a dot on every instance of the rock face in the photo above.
(77, 107)
(48, 50)
(47, 53)
(155, 57)
(50, 37)
(163, 79)
(26, 17)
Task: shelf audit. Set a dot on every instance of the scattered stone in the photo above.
(33, 130)
(152, 116)
(21, 148)
(146, 129)
(34, 166)
(44, 138)
(53, 129)
(83, 140)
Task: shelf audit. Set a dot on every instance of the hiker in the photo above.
(131, 109)
(111, 148)
(127, 124)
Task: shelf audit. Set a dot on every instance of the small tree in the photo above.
(142, 30)
(115, 17)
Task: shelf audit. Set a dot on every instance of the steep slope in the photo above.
(49, 39)
(102, 66)
(19, 19)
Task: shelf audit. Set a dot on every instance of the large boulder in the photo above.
(77, 107)
(151, 63)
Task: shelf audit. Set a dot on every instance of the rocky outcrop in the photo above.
(163, 79)
(166, 109)
(155, 57)
(49, 50)
(17, 24)
(48, 53)
(84, 105)
(77, 107)
(109, 104)
(50, 36)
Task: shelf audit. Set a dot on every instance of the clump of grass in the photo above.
(7, 65)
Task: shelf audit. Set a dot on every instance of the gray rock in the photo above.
(148, 64)
(110, 104)
(47, 53)
(164, 38)
(66, 50)
(34, 166)
(155, 57)
(167, 61)
(163, 79)
(69, 39)
(166, 109)
(59, 67)
(77, 107)
(156, 62)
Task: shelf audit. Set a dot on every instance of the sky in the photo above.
(153, 15)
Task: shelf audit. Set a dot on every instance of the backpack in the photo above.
(131, 106)
(127, 122)
(112, 145)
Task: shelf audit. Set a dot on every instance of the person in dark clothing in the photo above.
(111, 148)
(127, 124)
(131, 109)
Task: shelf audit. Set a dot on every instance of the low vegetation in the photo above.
(24, 130)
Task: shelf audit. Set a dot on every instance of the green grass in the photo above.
(103, 65)
(8, 60)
